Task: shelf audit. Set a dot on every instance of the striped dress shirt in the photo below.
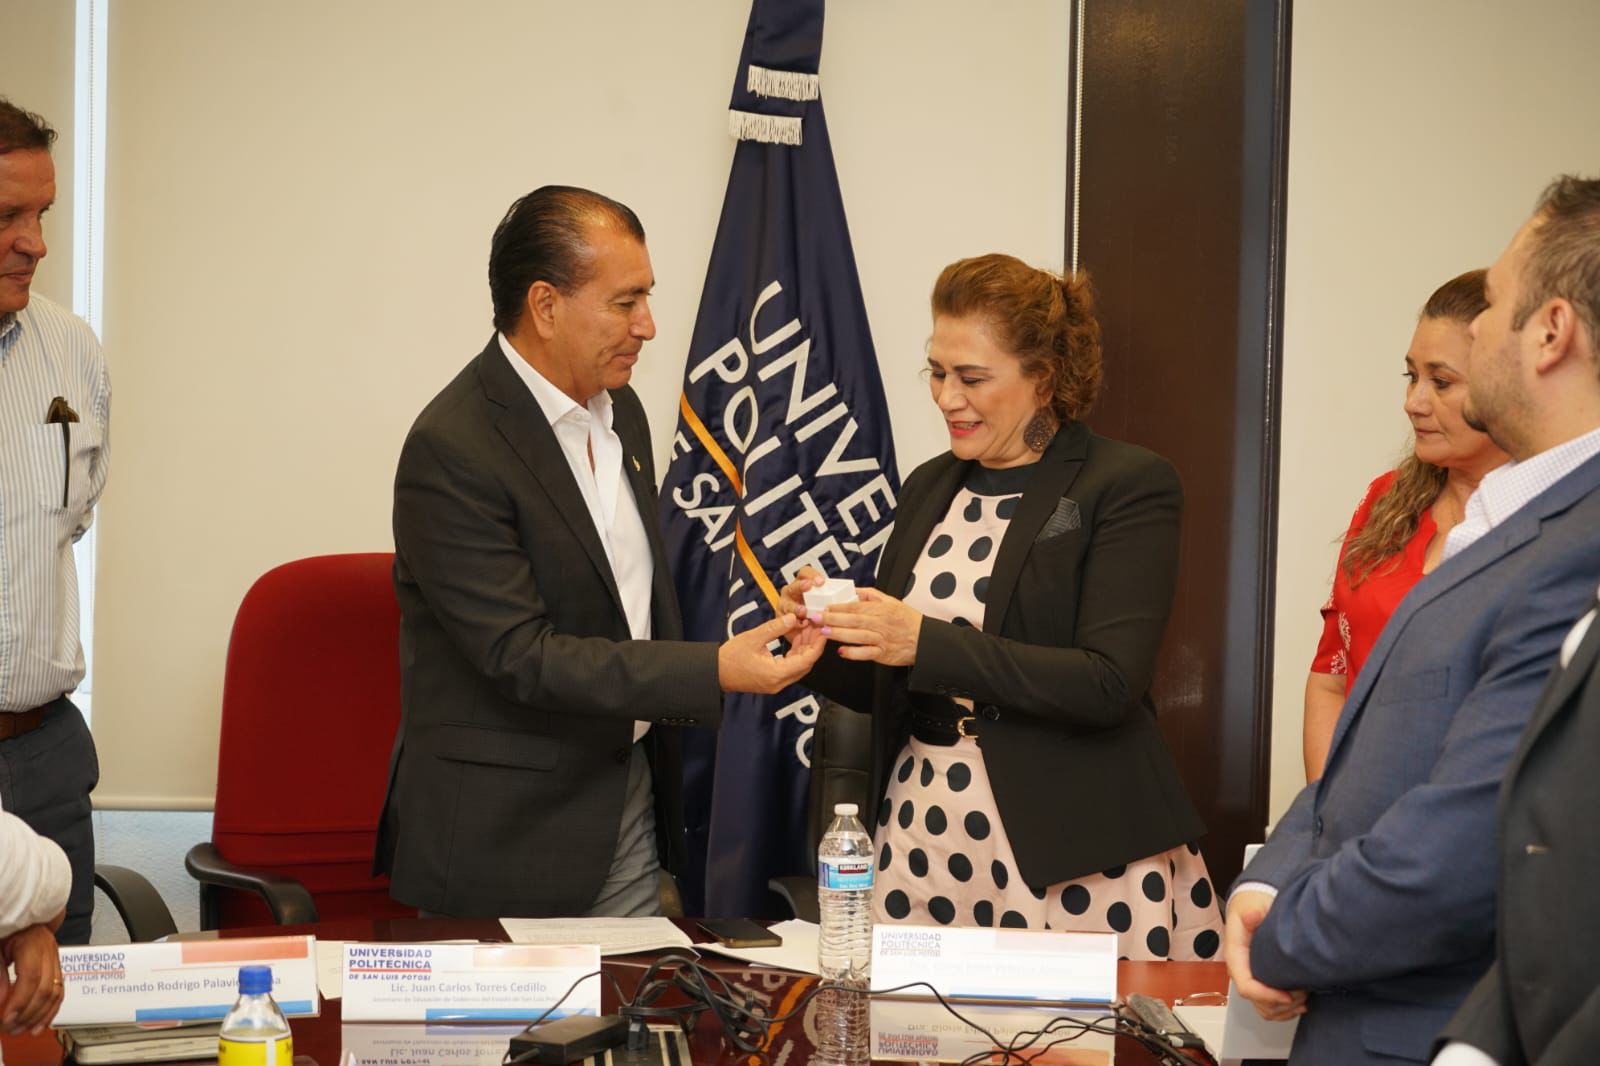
(51, 474)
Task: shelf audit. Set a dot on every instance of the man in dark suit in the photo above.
(537, 769)
(1370, 910)
(1540, 1001)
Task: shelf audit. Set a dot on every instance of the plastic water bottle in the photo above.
(255, 1032)
(844, 892)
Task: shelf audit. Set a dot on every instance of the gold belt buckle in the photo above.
(961, 727)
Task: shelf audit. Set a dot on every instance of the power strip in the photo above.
(568, 1039)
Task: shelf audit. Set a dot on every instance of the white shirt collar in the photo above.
(555, 404)
(1506, 489)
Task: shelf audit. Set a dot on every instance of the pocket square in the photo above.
(1065, 517)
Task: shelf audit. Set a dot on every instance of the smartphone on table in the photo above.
(741, 933)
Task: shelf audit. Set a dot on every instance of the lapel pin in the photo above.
(636, 466)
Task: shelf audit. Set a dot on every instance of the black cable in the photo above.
(1135, 1027)
(744, 1022)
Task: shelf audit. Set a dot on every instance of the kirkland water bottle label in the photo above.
(844, 873)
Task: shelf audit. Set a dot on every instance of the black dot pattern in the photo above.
(950, 862)
(952, 574)
(1075, 899)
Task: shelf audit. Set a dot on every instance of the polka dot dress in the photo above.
(943, 854)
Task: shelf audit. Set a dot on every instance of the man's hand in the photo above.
(876, 628)
(745, 665)
(32, 999)
(792, 599)
(1246, 911)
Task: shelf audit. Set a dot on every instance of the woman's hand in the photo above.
(876, 628)
(792, 600)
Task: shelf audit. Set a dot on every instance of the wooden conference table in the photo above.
(321, 1041)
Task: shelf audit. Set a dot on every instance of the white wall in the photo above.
(299, 202)
(1420, 135)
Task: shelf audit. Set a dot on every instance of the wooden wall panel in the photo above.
(1180, 156)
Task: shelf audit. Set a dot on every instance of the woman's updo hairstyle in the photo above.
(1047, 321)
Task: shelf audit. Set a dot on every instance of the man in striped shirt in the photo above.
(55, 401)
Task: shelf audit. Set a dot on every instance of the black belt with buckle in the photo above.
(943, 728)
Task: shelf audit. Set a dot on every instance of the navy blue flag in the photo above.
(782, 455)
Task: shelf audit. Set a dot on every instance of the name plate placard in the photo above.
(926, 1032)
(184, 980)
(1002, 965)
(409, 1044)
(467, 982)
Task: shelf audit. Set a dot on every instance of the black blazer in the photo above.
(519, 681)
(1540, 1001)
(1061, 670)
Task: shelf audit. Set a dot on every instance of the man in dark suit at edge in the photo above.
(1370, 910)
(1540, 1001)
(537, 768)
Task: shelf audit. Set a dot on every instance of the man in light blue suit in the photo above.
(1371, 909)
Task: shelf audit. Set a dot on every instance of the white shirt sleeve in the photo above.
(1256, 886)
(1456, 1053)
(34, 876)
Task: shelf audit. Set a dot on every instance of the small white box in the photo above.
(834, 591)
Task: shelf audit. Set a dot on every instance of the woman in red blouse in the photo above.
(1398, 531)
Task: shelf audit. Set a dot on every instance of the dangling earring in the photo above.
(1040, 430)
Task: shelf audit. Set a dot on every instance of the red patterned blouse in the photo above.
(1353, 617)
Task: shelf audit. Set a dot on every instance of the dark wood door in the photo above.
(1179, 152)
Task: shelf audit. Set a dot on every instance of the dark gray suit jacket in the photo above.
(520, 683)
(1540, 1001)
(1385, 868)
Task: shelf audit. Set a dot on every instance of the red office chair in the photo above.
(310, 705)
